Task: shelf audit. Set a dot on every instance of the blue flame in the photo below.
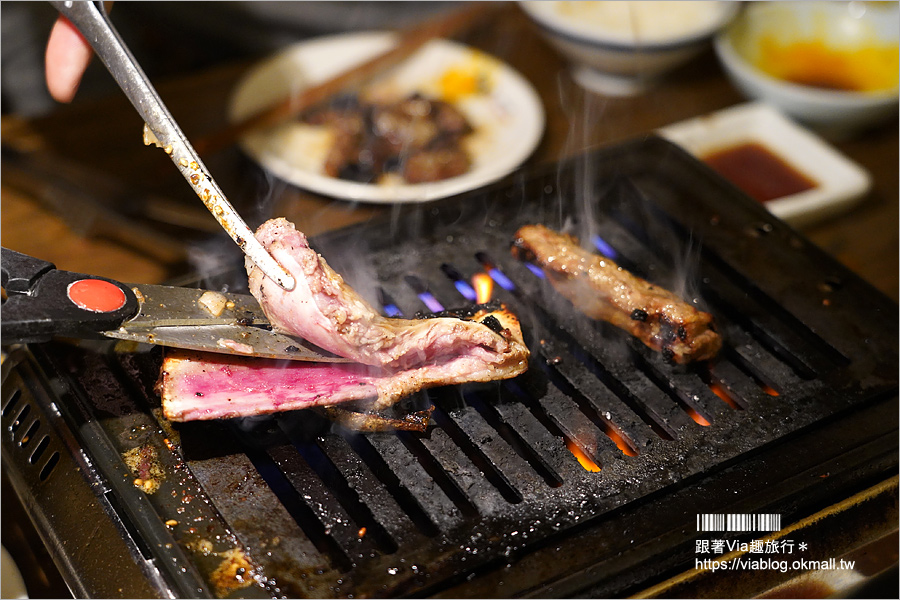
(430, 301)
(501, 279)
(466, 290)
(535, 269)
(604, 248)
(391, 310)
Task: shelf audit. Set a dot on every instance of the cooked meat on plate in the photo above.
(416, 138)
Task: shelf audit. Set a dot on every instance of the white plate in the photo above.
(505, 112)
(13, 586)
(841, 182)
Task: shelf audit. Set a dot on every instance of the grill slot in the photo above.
(536, 425)
(29, 433)
(10, 401)
(413, 467)
(321, 511)
(511, 436)
(478, 441)
(466, 477)
(18, 403)
(391, 507)
(39, 450)
(48, 467)
(310, 502)
(599, 404)
(327, 457)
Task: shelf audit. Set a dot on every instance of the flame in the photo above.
(620, 442)
(769, 390)
(719, 390)
(583, 459)
(697, 417)
(484, 287)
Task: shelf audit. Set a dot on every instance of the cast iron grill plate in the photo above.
(320, 511)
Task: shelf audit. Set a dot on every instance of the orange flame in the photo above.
(583, 459)
(484, 287)
(769, 390)
(697, 417)
(719, 390)
(620, 442)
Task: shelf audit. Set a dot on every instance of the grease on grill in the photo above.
(233, 573)
(144, 464)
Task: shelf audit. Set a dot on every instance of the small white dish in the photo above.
(840, 183)
(504, 110)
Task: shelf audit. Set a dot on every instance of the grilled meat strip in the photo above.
(324, 310)
(197, 386)
(601, 289)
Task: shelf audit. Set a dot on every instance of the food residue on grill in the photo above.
(367, 421)
(758, 171)
(601, 289)
(144, 464)
(416, 138)
(233, 573)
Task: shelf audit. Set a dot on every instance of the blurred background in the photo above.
(172, 38)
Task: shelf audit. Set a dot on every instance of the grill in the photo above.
(798, 412)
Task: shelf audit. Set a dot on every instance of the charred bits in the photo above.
(492, 323)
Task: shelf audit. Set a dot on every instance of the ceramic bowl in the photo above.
(830, 65)
(623, 48)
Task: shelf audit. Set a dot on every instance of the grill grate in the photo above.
(319, 511)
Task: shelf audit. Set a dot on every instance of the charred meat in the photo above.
(417, 138)
(393, 357)
(601, 289)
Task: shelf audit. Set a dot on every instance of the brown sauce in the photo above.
(758, 171)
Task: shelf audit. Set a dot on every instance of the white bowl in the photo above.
(833, 31)
(622, 48)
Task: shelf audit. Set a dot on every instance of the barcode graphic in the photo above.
(738, 522)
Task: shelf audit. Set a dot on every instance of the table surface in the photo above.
(100, 141)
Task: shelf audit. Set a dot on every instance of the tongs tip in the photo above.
(269, 265)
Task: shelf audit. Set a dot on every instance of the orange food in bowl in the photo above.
(868, 68)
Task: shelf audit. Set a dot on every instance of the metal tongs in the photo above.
(91, 20)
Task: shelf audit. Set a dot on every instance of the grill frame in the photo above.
(792, 338)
